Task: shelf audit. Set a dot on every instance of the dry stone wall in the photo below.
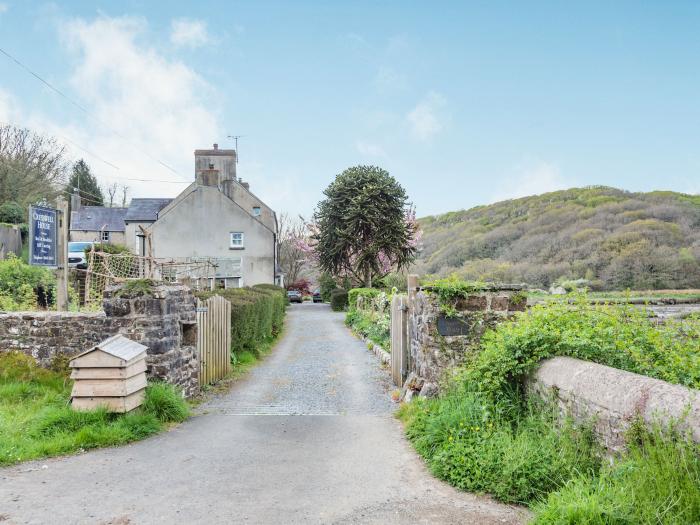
(163, 318)
(438, 343)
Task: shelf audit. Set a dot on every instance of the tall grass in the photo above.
(36, 419)
(515, 452)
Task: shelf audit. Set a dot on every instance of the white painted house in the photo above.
(217, 217)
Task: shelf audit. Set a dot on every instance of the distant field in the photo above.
(690, 296)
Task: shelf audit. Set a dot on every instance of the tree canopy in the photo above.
(32, 166)
(85, 182)
(362, 229)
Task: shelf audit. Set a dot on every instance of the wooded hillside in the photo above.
(613, 238)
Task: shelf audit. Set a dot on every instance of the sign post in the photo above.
(48, 244)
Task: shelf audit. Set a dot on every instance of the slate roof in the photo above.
(93, 218)
(141, 210)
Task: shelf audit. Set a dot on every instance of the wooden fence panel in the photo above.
(213, 339)
(399, 339)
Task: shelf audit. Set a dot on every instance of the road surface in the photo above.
(308, 436)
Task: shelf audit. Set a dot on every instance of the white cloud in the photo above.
(426, 119)
(185, 32)
(369, 149)
(387, 79)
(3, 8)
(7, 107)
(532, 179)
(145, 106)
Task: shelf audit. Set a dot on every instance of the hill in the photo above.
(613, 238)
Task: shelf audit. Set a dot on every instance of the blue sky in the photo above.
(465, 103)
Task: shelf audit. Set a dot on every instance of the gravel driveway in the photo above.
(307, 437)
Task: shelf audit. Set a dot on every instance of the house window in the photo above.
(256, 211)
(105, 236)
(236, 240)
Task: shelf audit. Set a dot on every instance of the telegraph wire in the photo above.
(86, 111)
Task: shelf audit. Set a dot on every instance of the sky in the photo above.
(464, 103)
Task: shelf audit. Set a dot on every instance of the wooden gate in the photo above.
(213, 339)
(399, 339)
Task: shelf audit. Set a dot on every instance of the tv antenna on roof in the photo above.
(235, 138)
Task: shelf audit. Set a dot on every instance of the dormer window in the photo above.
(256, 211)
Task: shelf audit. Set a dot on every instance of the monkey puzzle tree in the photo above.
(364, 228)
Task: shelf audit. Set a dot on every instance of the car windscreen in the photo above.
(78, 246)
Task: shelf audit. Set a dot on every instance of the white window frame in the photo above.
(236, 246)
(104, 236)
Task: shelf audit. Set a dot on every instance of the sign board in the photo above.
(452, 326)
(43, 236)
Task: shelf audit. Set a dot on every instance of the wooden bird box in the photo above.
(110, 374)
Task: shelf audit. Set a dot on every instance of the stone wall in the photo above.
(613, 398)
(160, 317)
(438, 343)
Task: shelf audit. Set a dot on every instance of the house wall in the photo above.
(81, 235)
(130, 235)
(10, 240)
(199, 225)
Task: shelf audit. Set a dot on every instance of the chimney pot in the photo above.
(216, 146)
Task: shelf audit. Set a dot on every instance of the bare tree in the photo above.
(32, 166)
(112, 191)
(293, 234)
(125, 192)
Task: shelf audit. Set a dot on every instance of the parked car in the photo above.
(317, 297)
(76, 254)
(295, 296)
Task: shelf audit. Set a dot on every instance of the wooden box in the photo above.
(111, 374)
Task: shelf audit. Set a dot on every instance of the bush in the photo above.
(516, 453)
(355, 293)
(326, 286)
(339, 300)
(622, 337)
(12, 213)
(257, 314)
(21, 284)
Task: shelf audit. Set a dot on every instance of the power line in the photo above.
(86, 111)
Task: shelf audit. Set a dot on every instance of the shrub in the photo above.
(21, 283)
(355, 293)
(12, 213)
(618, 336)
(257, 314)
(516, 453)
(326, 286)
(339, 300)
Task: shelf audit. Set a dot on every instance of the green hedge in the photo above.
(339, 299)
(257, 314)
(353, 294)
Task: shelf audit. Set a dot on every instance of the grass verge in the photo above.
(36, 419)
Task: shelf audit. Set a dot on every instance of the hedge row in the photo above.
(257, 314)
(355, 293)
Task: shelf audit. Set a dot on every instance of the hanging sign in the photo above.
(43, 236)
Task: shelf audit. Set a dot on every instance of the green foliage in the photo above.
(257, 315)
(36, 419)
(365, 293)
(83, 180)
(339, 299)
(326, 286)
(450, 290)
(514, 452)
(612, 238)
(12, 213)
(362, 225)
(165, 403)
(20, 284)
(622, 337)
(657, 481)
(136, 287)
(375, 327)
